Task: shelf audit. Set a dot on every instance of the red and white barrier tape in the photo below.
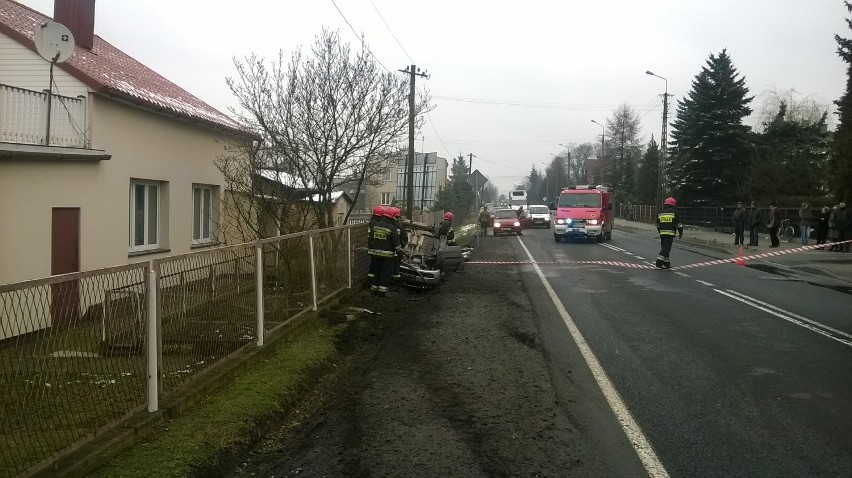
(633, 265)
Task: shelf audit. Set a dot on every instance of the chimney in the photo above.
(79, 17)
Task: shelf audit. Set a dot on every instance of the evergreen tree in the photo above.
(840, 174)
(646, 180)
(710, 142)
(625, 151)
(789, 162)
(458, 196)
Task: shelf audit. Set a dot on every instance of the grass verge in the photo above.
(230, 417)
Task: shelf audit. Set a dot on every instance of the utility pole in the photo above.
(600, 163)
(662, 173)
(475, 190)
(413, 72)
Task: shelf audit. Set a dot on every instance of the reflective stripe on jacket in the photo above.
(668, 222)
(382, 238)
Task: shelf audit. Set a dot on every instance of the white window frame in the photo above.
(387, 199)
(204, 216)
(149, 186)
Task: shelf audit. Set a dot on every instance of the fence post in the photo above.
(349, 254)
(313, 270)
(259, 279)
(151, 339)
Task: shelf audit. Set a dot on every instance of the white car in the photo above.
(540, 216)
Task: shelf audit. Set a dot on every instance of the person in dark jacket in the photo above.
(668, 224)
(773, 226)
(806, 222)
(755, 217)
(844, 226)
(375, 220)
(403, 241)
(739, 224)
(446, 235)
(382, 244)
(822, 224)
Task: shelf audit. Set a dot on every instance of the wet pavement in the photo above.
(833, 267)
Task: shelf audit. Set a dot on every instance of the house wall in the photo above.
(24, 68)
(144, 145)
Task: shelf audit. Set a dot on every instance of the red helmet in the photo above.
(670, 201)
(378, 210)
(389, 212)
(448, 216)
(394, 212)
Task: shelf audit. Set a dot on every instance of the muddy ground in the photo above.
(448, 382)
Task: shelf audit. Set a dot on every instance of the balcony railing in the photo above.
(23, 118)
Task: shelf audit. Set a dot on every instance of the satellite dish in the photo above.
(54, 42)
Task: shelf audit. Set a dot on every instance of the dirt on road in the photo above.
(447, 382)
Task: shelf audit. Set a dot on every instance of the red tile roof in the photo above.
(109, 71)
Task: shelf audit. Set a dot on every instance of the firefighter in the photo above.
(403, 241)
(446, 235)
(382, 244)
(668, 224)
(375, 219)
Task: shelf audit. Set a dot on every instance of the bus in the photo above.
(518, 198)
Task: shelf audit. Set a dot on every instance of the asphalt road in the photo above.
(727, 371)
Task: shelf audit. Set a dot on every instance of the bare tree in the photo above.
(805, 110)
(326, 120)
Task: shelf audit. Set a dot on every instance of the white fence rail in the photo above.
(80, 352)
(23, 118)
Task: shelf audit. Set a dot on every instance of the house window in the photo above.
(202, 214)
(386, 175)
(144, 215)
(386, 199)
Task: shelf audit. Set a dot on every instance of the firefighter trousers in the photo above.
(666, 242)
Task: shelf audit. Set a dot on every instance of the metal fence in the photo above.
(81, 352)
(715, 218)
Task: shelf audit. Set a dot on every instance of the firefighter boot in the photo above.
(659, 263)
(667, 264)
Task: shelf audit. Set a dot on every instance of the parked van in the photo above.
(584, 212)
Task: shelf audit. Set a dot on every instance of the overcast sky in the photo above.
(551, 66)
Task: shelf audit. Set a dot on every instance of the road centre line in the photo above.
(708, 284)
(789, 317)
(637, 439)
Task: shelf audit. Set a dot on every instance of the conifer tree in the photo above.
(840, 174)
(710, 147)
(646, 180)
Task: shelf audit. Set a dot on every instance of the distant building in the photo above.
(430, 174)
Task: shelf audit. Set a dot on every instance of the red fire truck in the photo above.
(584, 212)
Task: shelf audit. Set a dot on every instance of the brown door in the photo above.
(65, 258)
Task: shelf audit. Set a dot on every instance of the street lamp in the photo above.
(603, 132)
(661, 170)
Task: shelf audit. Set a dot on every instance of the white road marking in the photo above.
(640, 443)
(805, 322)
(640, 258)
(708, 284)
(682, 274)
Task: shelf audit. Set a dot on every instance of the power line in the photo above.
(438, 135)
(363, 43)
(531, 104)
(391, 31)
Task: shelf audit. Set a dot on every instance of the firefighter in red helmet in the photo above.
(445, 232)
(382, 244)
(395, 214)
(668, 224)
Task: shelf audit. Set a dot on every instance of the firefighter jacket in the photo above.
(446, 229)
(403, 234)
(382, 237)
(668, 222)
